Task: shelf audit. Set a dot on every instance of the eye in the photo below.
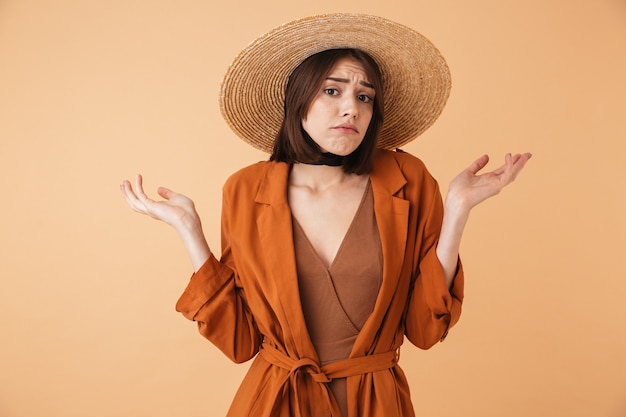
(365, 98)
(331, 91)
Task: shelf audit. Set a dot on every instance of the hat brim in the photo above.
(415, 76)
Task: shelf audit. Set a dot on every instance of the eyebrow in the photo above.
(345, 80)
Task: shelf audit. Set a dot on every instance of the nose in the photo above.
(349, 107)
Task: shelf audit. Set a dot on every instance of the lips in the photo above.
(347, 126)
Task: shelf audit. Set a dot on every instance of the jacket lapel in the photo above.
(392, 217)
(275, 228)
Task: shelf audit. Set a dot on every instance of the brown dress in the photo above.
(337, 301)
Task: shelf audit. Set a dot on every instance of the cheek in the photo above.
(319, 113)
(311, 112)
(367, 115)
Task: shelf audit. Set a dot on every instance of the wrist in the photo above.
(190, 233)
(456, 208)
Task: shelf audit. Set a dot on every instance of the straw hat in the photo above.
(415, 76)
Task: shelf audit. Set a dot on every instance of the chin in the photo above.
(343, 151)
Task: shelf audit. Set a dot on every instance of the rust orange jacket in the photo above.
(248, 304)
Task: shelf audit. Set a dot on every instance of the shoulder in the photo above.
(248, 174)
(247, 178)
(410, 166)
(398, 157)
(247, 181)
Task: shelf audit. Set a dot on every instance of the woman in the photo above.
(336, 248)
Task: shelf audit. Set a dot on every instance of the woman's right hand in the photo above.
(176, 210)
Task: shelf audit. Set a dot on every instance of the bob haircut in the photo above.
(292, 143)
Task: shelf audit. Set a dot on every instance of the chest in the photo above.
(326, 217)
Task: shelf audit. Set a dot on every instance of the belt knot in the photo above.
(312, 368)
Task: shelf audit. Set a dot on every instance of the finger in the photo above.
(509, 163)
(141, 195)
(503, 168)
(123, 188)
(166, 193)
(515, 158)
(127, 190)
(513, 165)
(523, 158)
(507, 175)
(519, 164)
(478, 164)
(131, 198)
(144, 204)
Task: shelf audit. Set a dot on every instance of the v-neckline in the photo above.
(345, 236)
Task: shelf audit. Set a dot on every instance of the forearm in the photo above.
(454, 220)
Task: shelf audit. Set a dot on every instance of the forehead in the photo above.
(350, 65)
(349, 69)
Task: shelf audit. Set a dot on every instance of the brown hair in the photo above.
(292, 144)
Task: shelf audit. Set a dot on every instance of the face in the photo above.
(341, 112)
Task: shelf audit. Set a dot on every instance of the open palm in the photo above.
(470, 188)
(176, 209)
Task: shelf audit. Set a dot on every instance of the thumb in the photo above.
(166, 193)
(478, 164)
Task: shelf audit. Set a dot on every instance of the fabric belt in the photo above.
(324, 374)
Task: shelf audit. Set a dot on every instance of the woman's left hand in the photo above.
(469, 188)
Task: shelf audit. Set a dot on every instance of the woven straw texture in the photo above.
(415, 76)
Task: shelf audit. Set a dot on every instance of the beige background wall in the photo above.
(92, 92)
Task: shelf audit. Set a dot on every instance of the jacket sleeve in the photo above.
(215, 299)
(432, 308)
